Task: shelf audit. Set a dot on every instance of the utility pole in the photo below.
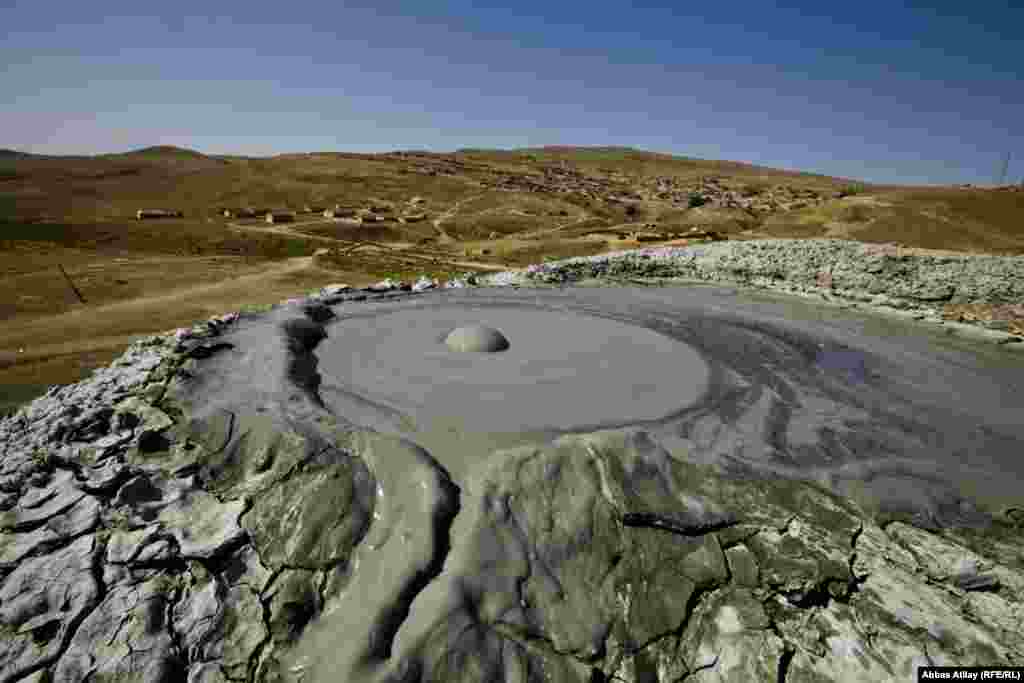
(78, 294)
(1005, 168)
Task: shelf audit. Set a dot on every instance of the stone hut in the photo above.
(339, 212)
(280, 216)
(143, 214)
(242, 213)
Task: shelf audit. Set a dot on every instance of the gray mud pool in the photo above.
(901, 419)
(852, 400)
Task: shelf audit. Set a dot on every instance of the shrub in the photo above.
(696, 199)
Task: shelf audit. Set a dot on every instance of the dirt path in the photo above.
(97, 327)
(551, 231)
(286, 232)
(59, 348)
(395, 249)
(91, 328)
(450, 213)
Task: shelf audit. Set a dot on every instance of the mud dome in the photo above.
(476, 339)
(507, 487)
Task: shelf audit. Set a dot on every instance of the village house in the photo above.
(280, 216)
(241, 213)
(143, 214)
(339, 212)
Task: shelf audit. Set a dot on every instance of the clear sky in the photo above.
(882, 91)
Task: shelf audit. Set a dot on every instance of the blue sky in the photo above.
(886, 92)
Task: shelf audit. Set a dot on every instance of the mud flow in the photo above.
(623, 389)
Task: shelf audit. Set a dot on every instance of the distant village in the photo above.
(412, 212)
(608, 187)
(612, 189)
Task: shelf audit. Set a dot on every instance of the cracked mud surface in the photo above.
(762, 489)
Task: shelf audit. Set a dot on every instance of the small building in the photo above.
(280, 216)
(242, 213)
(143, 214)
(339, 212)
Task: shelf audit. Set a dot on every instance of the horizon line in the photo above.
(468, 150)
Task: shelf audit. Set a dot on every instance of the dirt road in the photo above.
(37, 351)
(394, 249)
(557, 229)
(98, 327)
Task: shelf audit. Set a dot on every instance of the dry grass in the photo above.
(523, 254)
(146, 277)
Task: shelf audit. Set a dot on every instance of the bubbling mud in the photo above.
(476, 338)
(407, 371)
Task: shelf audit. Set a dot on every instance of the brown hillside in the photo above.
(406, 213)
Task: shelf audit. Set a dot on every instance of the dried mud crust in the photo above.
(980, 312)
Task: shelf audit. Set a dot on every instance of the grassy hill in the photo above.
(612, 186)
(420, 213)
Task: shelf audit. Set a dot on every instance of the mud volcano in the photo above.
(609, 497)
(439, 370)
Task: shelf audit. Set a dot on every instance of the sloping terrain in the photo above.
(207, 509)
(400, 215)
(285, 496)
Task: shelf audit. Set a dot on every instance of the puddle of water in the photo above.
(843, 362)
